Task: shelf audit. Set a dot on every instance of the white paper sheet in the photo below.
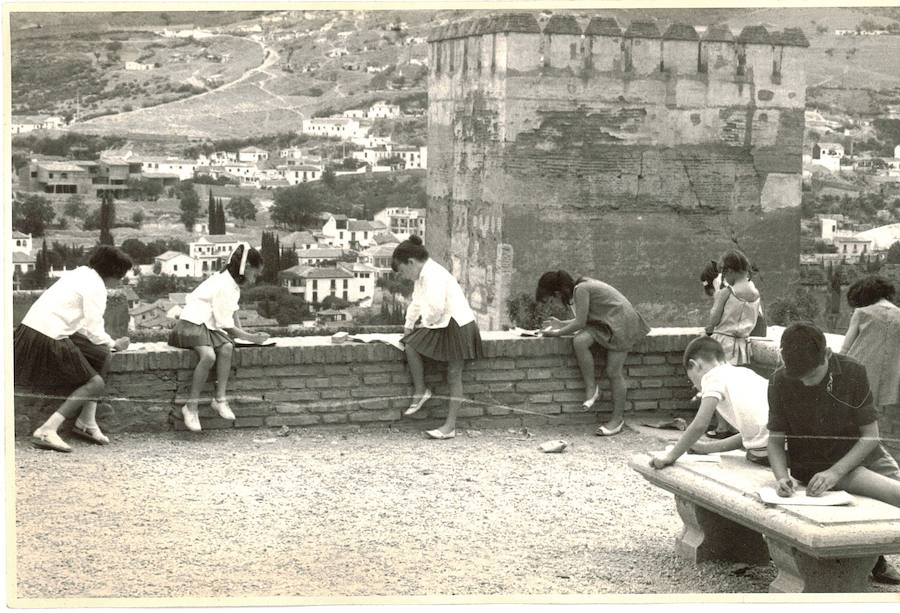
(390, 339)
(244, 343)
(828, 499)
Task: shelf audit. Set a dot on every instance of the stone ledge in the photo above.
(320, 350)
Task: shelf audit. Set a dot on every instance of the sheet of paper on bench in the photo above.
(391, 339)
(523, 332)
(712, 458)
(269, 342)
(828, 499)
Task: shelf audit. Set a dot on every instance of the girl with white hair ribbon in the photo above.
(208, 324)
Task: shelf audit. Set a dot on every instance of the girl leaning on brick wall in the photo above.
(63, 340)
(873, 339)
(447, 332)
(208, 324)
(603, 316)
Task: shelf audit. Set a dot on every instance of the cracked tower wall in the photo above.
(629, 154)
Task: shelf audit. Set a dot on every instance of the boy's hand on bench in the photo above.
(822, 482)
(660, 461)
(785, 487)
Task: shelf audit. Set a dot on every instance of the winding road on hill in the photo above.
(270, 58)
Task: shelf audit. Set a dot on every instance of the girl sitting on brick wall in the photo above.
(447, 332)
(873, 339)
(63, 339)
(603, 316)
(208, 324)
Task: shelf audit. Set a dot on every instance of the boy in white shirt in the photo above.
(737, 394)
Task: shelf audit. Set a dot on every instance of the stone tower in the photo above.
(631, 154)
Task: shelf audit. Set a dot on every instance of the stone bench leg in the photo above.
(708, 536)
(801, 572)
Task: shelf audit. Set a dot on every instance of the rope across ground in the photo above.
(355, 513)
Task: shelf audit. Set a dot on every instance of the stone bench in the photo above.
(815, 549)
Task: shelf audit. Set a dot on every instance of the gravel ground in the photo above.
(366, 512)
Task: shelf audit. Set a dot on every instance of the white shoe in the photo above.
(587, 404)
(223, 409)
(191, 419)
(415, 406)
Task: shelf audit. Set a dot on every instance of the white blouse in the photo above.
(214, 302)
(75, 303)
(437, 297)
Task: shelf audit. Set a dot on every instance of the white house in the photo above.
(828, 228)
(413, 157)
(21, 124)
(299, 241)
(379, 258)
(252, 154)
(828, 155)
(208, 251)
(851, 245)
(338, 52)
(23, 262)
(351, 233)
(319, 255)
(138, 66)
(21, 242)
(402, 222)
(300, 173)
(364, 277)
(354, 113)
(181, 168)
(383, 110)
(291, 153)
(334, 127)
(317, 283)
(881, 237)
(176, 264)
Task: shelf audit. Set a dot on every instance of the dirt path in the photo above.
(354, 513)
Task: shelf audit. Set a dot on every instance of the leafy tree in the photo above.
(242, 208)
(32, 215)
(211, 214)
(288, 258)
(75, 206)
(138, 218)
(220, 217)
(334, 302)
(189, 204)
(270, 251)
(393, 283)
(291, 310)
(893, 254)
(525, 312)
(107, 218)
(802, 306)
(296, 207)
(329, 178)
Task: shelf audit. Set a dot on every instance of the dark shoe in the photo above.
(885, 573)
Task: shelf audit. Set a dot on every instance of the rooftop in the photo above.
(313, 272)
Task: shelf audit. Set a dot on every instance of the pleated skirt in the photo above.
(187, 335)
(447, 344)
(41, 361)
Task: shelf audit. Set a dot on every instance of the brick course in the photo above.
(309, 381)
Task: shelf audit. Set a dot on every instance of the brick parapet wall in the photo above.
(307, 381)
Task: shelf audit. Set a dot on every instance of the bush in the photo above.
(525, 312)
(802, 306)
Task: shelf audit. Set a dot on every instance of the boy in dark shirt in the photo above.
(821, 404)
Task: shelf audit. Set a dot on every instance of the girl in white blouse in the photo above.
(207, 325)
(446, 331)
(63, 340)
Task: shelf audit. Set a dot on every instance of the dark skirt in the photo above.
(41, 361)
(447, 344)
(187, 335)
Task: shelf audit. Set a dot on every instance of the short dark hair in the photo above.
(110, 262)
(552, 282)
(870, 290)
(708, 276)
(735, 261)
(803, 348)
(410, 249)
(254, 259)
(703, 347)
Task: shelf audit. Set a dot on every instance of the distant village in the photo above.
(342, 257)
(249, 166)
